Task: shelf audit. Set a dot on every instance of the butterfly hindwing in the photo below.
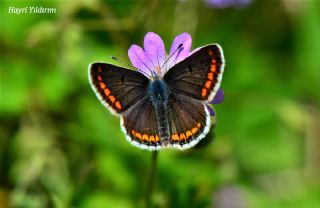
(140, 125)
(189, 121)
(117, 88)
(199, 75)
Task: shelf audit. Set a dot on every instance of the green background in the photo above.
(59, 147)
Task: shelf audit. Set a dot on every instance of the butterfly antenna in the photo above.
(178, 49)
(130, 65)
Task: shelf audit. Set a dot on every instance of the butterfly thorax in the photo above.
(158, 91)
(159, 95)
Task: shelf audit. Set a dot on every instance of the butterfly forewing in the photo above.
(199, 75)
(118, 88)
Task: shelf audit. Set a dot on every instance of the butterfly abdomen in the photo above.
(158, 93)
(163, 123)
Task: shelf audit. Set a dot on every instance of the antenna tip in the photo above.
(180, 45)
(114, 58)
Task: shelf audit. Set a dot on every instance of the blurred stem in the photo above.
(151, 178)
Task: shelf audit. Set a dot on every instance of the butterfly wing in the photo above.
(116, 87)
(189, 121)
(199, 75)
(140, 125)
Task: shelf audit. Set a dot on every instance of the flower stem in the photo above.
(151, 178)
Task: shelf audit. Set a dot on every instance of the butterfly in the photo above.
(167, 111)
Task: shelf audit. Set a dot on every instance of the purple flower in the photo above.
(228, 3)
(151, 59)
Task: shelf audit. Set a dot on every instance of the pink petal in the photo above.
(139, 59)
(184, 52)
(154, 50)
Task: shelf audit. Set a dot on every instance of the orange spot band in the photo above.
(194, 130)
(138, 135)
(208, 84)
(182, 136)
(204, 92)
(175, 137)
(213, 68)
(112, 98)
(118, 105)
(188, 134)
(157, 138)
(107, 92)
(145, 138)
(102, 85)
(210, 76)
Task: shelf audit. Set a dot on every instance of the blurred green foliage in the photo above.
(59, 147)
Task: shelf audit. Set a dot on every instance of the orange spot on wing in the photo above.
(213, 67)
(152, 139)
(118, 105)
(210, 76)
(194, 130)
(208, 84)
(138, 135)
(157, 138)
(198, 124)
(210, 52)
(175, 137)
(99, 78)
(133, 132)
(182, 136)
(102, 85)
(145, 138)
(188, 134)
(112, 98)
(106, 92)
(204, 92)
